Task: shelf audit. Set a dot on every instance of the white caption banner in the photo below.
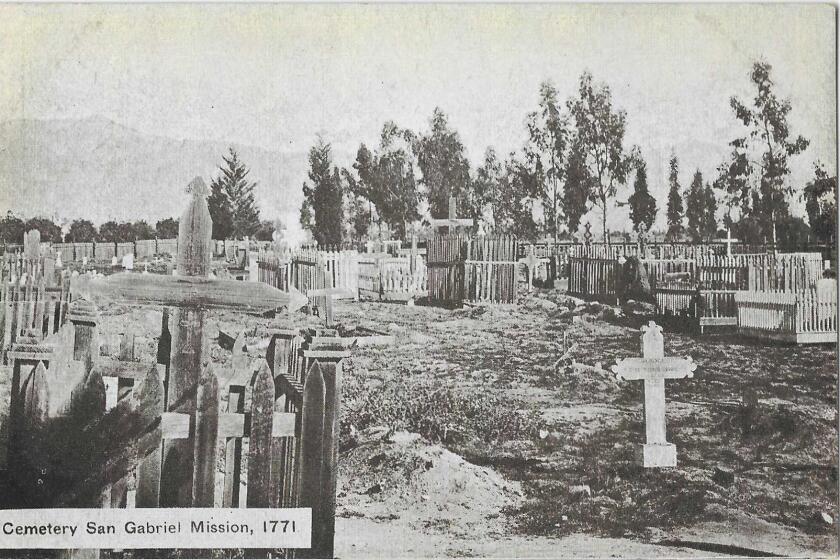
(156, 528)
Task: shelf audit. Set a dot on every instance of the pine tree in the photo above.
(675, 204)
(695, 208)
(710, 226)
(324, 197)
(642, 204)
(232, 205)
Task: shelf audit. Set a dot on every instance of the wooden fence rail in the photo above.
(800, 317)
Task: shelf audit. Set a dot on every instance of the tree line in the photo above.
(574, 160)
(232, 206)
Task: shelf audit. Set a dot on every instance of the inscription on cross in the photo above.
(654, 368)
(187, 480)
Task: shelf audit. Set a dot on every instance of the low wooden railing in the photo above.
(799, 317)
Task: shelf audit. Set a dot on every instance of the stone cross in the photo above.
(452, 222)
(729, 241)
(192, 292)
(654, 368)
(328, 294)
(531, 261)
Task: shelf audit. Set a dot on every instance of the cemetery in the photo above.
(562, 349)
(443, 354)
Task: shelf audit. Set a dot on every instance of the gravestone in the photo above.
(654, 368)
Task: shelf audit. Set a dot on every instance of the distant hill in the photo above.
(98, 169)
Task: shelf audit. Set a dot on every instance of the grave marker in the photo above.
(531, 261)
(185, 482)
(654, 368)
(452, 222)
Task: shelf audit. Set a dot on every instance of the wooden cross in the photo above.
(531, 261)
(328, 294)
(452, 222)
(192, 292)
(654, 368)
(729, 241)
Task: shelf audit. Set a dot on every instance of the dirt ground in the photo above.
(468, 438)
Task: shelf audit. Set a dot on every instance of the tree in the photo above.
(483, 195)
(11, 229)
(443, 164)
(755, 177)
(109, 232)
(709, 226)
(674, 212)
(545, 152)
(50, 231)
(642, 204)
(232, 201)
(81, 231)
(600, 136)
(142, 230)
(265, 230)
(386, 180)
(820, 196)
(166, 228)
(514, 212)
(695, 207)
(579, 186)
(324, 197)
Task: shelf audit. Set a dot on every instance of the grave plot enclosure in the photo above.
(473, 269)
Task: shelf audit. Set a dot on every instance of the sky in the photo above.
(276, 76)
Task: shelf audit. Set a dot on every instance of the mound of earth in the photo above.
(402, 477)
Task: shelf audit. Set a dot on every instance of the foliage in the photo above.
(695, 207)
(755, 176)
(820, 196)
(548, 134)
(513, 211)
(438, 413)
(709, 225)
(82, 231)
(50, 231)
(386, 180)
(11, 228)
(232, 201)
(579, 185)
(357, 211)
(324, 197)
(443, 163)
(113, 232)
(642, 203)
(265, 230)
(484, 191)
(675, 204)
(600, 137)
(166, 228)
(142, 230)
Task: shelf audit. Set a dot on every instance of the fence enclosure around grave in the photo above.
(386, 278)
(473, 269)
(799, 317)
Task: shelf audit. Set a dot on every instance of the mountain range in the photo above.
(97, 169)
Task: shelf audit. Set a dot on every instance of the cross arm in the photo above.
(654, 368)
(186, 291)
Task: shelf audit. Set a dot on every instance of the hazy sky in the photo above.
(275, 76)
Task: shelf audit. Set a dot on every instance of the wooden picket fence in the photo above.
(700, 308)
(799, 317)
(473, 269)
(594, 278)
(386, 278)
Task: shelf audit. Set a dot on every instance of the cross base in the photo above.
(655, 455)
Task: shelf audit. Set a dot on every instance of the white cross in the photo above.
(729, 241)
(531, 261)
(654, 368)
